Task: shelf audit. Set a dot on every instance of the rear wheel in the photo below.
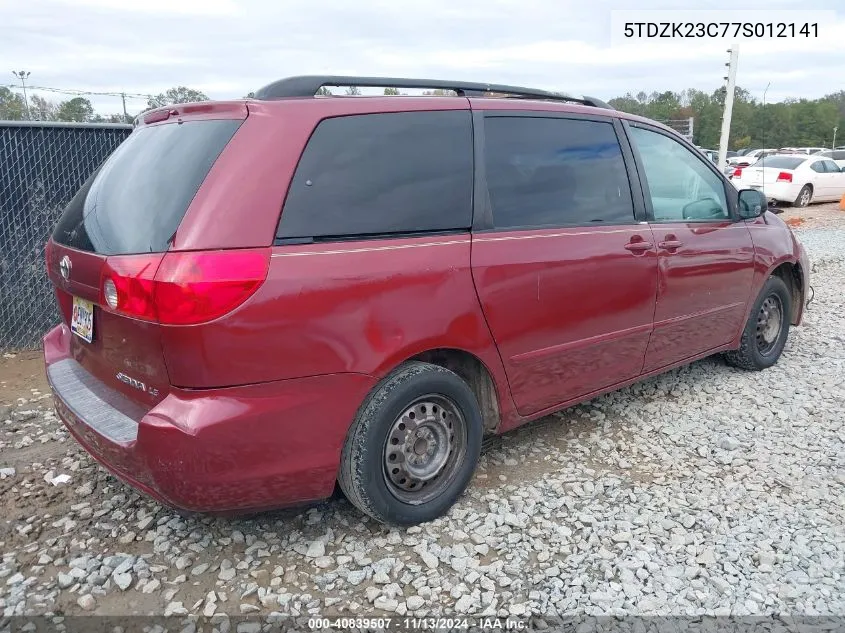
(413, 446)
(767, 328)
(804, 196)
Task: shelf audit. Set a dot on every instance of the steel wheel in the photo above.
(424, 446)
(769, 322)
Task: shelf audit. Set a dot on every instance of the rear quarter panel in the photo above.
(361, 307)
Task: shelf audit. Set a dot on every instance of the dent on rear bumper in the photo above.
(233, 449)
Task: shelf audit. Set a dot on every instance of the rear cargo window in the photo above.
(377, 174)
(136, 200)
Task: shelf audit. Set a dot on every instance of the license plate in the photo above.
(82, 319)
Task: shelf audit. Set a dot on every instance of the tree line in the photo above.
(80, 109)
(793, 122)
(789, 123)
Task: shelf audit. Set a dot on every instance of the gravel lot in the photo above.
(705, 491)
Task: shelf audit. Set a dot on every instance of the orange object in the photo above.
(842, 203)
(795, 221)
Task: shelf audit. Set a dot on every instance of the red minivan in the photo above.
(262, 298)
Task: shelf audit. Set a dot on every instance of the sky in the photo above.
(227, 48)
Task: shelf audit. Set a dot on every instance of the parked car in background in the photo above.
(750, 158)
(800, 150)
(836, 155)
(794, 179)
(263, 298)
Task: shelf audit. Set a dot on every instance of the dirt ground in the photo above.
(20, 374)
(827, 215)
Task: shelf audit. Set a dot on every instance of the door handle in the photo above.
(638, 247)
(670, 244)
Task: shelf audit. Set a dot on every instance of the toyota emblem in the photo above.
(64, 267)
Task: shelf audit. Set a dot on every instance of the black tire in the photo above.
(755, 351)
(804, 196)
(363, 474)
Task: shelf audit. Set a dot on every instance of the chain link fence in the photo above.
(41, 167)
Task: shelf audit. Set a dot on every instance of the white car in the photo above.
(794, 178)
(750, 158)
(802, 150)
(836, 155)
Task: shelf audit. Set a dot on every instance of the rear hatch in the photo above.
(112, 239)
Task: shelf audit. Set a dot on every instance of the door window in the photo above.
(555, 172)
(681, 185)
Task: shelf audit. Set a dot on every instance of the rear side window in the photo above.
(138, 197)
(378, 174)
(553, 172)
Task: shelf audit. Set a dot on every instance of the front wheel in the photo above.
(766, 330)
(413, 446)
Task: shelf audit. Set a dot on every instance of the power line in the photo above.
(71, 91)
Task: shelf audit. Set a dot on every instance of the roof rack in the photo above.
(308, 85)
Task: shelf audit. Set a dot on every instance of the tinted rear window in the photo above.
(781, 162)
(137, 198)
(551, 171)
(382, 173)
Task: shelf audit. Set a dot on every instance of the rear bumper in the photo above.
(781, 191)
(233, 449)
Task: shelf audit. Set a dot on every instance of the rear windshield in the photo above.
(781, 162)
(137, 198)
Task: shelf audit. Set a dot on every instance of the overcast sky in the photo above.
(228, 47)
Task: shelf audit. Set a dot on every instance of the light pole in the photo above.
(729, 104)
(23, 76)
(764, 93)
(833, 146)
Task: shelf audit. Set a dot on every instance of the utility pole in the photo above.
(729, 104)
(23, 75)
(833, 146)
(123, 98)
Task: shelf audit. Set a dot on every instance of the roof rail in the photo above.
(308, 85)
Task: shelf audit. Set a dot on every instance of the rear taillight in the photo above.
(182, 288)
(133, 280)
(202, 286)
(738, 172)
(784, 176)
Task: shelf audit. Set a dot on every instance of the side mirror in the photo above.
(752, 203)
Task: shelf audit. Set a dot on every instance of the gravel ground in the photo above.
(707, 490)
